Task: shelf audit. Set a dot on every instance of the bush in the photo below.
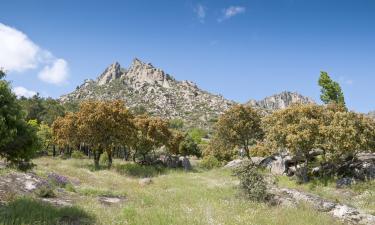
(45, 190)
(58, 180)
(252, 183)
(210, 162)
(78, 155)
(104, 159)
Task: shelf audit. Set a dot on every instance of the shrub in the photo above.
(210, 162)
(45, 190)
(58, 180)
(252, 183)
(104, 159)
(78, 155)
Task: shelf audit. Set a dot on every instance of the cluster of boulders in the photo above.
(172, 161)
(351, 170)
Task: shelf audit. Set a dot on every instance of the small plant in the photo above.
(210, 162)
(252, 183)
(45, 190)
(104, 159)
(58, 180)
(78, 155)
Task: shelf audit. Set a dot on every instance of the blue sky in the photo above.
(240, 49)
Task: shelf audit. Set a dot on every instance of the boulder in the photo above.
(105, 200)
(145, 181)
(186, 164)
(344, 182)
(233, 164)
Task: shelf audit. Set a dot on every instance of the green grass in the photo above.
(360, 195)
(29, 211)
(174, 197)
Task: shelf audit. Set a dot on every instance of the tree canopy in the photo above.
(239, 126)
(330, 90)
(18, 138)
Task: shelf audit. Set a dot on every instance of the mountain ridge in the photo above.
(159, 93)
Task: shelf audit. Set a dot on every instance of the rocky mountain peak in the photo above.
(112, 72)
(146, 73)
(280, 101)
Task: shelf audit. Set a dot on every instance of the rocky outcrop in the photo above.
(280, 101)
(372, 114)
(345, 213)
(113, 72)
(145, 86)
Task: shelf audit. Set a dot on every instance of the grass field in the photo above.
(174, 197)
(360, 195)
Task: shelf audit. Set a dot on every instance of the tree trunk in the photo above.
(247, 152)
(109, 153)
(96, 159)
(54, 150)
(134, 155)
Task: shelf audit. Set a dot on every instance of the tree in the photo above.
(197, 135)
(295, 128)
(189, 147)
(45, 135)
(65, 132)
(330, 90)
(239, 126)
(151, 133)
(103, 125)
(174, 141)
(18, 140)
(347, 134)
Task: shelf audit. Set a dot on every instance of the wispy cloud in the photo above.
(18, 54)
(231, 11)
(346, 81)
(200, 12)
(22, 91)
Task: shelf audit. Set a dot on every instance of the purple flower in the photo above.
(58, 180)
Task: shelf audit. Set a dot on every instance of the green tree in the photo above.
(239, 126)
(18, 140)
(330, 90)
(189, 147)
(45, 135)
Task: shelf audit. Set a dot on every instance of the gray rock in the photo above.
(145, 181)
(186, 164)
(110, 200)
(280, 101)
(233, 164)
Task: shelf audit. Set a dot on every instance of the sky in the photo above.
(240, 49)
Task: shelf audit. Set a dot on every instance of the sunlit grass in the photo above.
(174, 197)
(360, 195)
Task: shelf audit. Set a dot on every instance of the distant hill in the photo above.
(144, 87)
(280, 101)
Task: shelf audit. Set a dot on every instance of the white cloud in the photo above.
(18, 53)
(231, 11)
(200, 11)
(21, 91)
(57, 73)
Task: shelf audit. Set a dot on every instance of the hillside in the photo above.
(145, 87)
